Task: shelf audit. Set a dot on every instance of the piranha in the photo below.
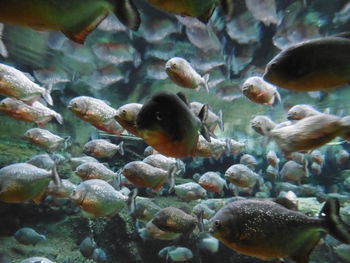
(318, 64)
(167, 123)
(126, 116)
(267, 230)
(301, 111)
(76, 19)
(101, 148)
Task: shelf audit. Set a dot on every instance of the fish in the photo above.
(22, 182)
(163, 162)
(204, 210)
(317, 157)
(167, 123)
(234, 147)
(74, 19)
(99, 255)
(213, 149)
(15, 84)
(87, 246)
(294, 172)
(264, 11)
(248, 160)
(36, 260)
(301, 111)
(207, 243)
(98, 198)
(3, 50)
(176, 254)
(101, 148)
(174, 220)
(190, 191)
(37, 112)
(272, 159)
(151, 231)
(43, 161)
(126, 116)
(212, 182)
(182, 74)
(317, 64)
(342, 157)
(145, 175)
(28, 236)
(76, 161)
(316, 169)
(95, 170)
(240, 175)
(144, 209)
(63, 191)
(259, 91)
(46, 139)
(272, 173)
(262, 124)
(213, 120)
(96, 112)
(267, 230)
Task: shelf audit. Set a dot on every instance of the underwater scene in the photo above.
(151, 131)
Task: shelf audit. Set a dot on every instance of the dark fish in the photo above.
(167, 123)
(76, 19)
(267, 230)
(319, 64)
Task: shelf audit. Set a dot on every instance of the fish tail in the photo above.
(132, 201)
(221, 120)
(3, 50)
(67, 142)
(205, 80)
(59, 118)
(334, 224)
(171, 179)
(127, 13)
(121, 148)
(47, 94)
(277, 98)
(55, 177)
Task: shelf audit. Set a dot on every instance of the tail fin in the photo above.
(171, 179)
(55, 177)
(47, 96)
(221, 121)
(121, 148)
(132, 201)
(206, 78)
(3, 50)
(59, 118)
(334, 224)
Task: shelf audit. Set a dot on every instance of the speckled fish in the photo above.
(195, 8)
(301, 111)
(294, 172)
(248, 160)
(212, 121)
(259, 91)
(317, 64)
(267, 230)
(98, 198)
(36, 112)
(15, 84)
(28, 236)
(262, 124)
(75, 19)
(87, 246)
(94, 170)
(316, 169)
(213, 149)
(145, 175)
(126, 116)
(190, 191)
(45, 139)
(182, 74)
(151, 231)
(174, 220)
(241, 175)
(167, 123)
(65, 189)
(163, 162)
(37, 260)
(21, 182)
(101, 148)
(76, 161)
(212, 182)
(96, 112)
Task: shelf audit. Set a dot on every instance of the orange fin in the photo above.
(39, 198)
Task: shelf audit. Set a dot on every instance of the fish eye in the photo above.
(173, 65)
(159, 116)
(217, 223)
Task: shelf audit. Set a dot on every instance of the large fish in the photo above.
(267, 230)
(319, 64)
(76, 19)
(167, 123)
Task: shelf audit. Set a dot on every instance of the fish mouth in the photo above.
(289, 117)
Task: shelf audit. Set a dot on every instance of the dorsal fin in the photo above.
(343, 35)
(183, 97)
(283, 201)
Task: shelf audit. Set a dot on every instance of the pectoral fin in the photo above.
(127, 13)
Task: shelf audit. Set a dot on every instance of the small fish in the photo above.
(234, 147)
(65, 189)
(272, 173)
(259, 91)
(267, 230)
(213, 149)
(101, 148)
(126, 116)
(46, 139)
(36, 113)
(294, 172)
(212, 121)
(95, 170)
(176, 254)
(241, 175)
(317, 157)
(262, 124)
(99, 255)
(248, 160)
(317, 64)
(212, 182)
(182, 74)
(167, 123)
(144, 209)
(67, 16)
(301, 111)
(207, 243)
(190, 191)
(37, 260)
(28, 236)
(151, 231)
(174, 220)
(76, 161)
(87, 246)
(272, 159)
(162, 162)
(21, 182)
(43, 161)
(149, 150)
(96, 112)
(3, 50)
(342, 157)
(145, 175)
(98, 198)
(204, 210)
(264, 11)
(316, 169)
(16, 85)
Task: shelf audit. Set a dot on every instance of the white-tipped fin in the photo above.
(47, 95)
(3, 50)
(205, 82)
(59, 118)
(121, 148)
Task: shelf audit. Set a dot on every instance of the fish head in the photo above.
(78, 195)
(295, 113)
(251, 86)
(77, 105)
(224, 226)
(173, 65)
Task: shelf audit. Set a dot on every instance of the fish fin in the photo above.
(132, 201)
(283, 201)
(205, 80)
(47, 95)
(59, 118)
(205, 133)
(67, 142)
(334, 224)
(39, 198)
(302, 254)
(183, 97)
(200, 222)
(121, 148)
(79, 36)
(343, 35)
(221, 120)
(127, 13)
(203, 113)
(205, 17)
(227, 8)
(171, 179)
(276, 99)
(55, 177)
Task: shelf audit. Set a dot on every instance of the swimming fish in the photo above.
(317, 64)
(294, 172)
(212, 182)
(176, 254)
(45, 139)
(301, 111)
(28, 236)
(262, 124)
(95, 170)
(43, 161)
(259, 91)
(241, 175)
(63, 191)
(151, 231)
(214, 148)
(75, 19)
(190, 191)
(126, 116)
(248, 160)
(267, 230)
(213, 120)
(272, 159)
(182, 74)
(15, 84)
(101, 148)
(167, 123)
